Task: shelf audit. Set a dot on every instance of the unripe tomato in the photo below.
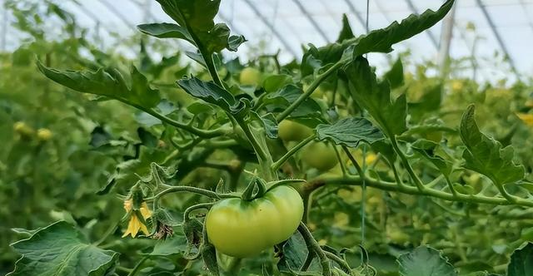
(240, 228)
(250, 76)
(293, 131)
(397, 236)
(23, 129)
(320, 156)
(44, 134)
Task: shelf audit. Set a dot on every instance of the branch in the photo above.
(393, 187)
(309, 90)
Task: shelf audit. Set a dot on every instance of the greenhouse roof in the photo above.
(498, 33)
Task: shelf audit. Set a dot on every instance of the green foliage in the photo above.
(170, 140)
(425, 261)
(485, 155)
(349, 132)
(59, 249)
(521, 263)
(109, 83)
(375, 97)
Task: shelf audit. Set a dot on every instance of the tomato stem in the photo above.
(190, 189)
(342, 263)
(407, 165)
(138, 266)
(186, 214)
(392, 186)
(310, 90)
(313, 245)
(291, 152)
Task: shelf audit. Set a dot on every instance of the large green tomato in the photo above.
(242, 229)
(293, 131)
(320, 156)
(250, 76)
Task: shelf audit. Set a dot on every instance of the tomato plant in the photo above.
(316, 167)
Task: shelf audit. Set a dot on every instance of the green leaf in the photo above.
(212, 93)
(521, 261)
(235, 41)
(269, 123)
(346, 31)
(385, 149)
(425, 261)
(177, 245)
(375, 97)
(485, 155)
(294, 253)
(59, 249)
(147, 139)
(427, 149)
(349, 132)
(382, 40)
(197, 19)
(288, 94)
(165, 30)
(209, 255)
(109, 83)
(395, 74)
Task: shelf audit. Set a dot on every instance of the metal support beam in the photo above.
(428, 32)
(119, 15)
(356, 13)
(445, 41)
(528, 15)
(311, 20)
(271, 27)
(496, 34)
(92, 16)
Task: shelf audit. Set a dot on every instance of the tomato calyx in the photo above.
(255, 189)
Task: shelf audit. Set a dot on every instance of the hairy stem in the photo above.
(310, 90)
(393, 187)
(407, 165)
(313, 245)
(291, 152)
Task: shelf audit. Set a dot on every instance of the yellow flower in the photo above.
(135, 224)
(526, 118)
